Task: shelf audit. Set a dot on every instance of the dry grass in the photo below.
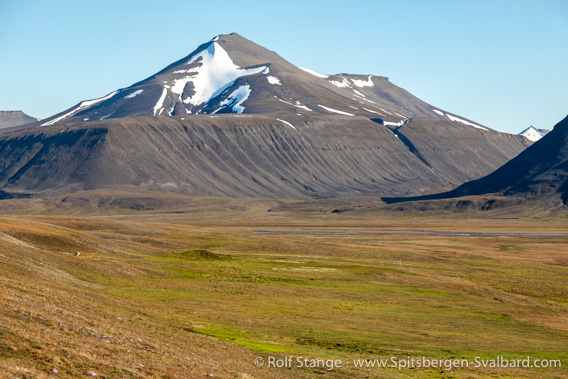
(193, 293)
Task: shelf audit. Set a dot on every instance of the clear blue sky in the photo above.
(501, 63)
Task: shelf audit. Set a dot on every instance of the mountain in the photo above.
(300, 157)
(235, 119)
(533, 134)
(540, 173)
(231, 74)
(9, 119)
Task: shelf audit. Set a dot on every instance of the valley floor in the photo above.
(186, 293)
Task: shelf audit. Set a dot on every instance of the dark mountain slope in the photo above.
(459, 151)
(538, 173)
(222, 155)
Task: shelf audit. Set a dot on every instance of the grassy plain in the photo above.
(187, 292)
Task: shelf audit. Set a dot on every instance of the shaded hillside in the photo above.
(540, 172)
(239, 156)
(458, 152)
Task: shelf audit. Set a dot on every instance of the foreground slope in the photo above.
(192, 292)
(259, 156)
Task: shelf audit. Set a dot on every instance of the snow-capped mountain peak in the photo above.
(210, 72)
(230, 74)
(533, 134)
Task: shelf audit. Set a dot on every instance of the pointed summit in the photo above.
(231, 74)
(533, 134)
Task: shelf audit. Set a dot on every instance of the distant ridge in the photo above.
(10, 119)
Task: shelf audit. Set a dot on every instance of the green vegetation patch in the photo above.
(203, 254)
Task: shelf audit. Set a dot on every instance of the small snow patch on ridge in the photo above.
(400, 123)
(236, 99)
(335, 110)
(297, 105)
(134, 94)
(457, 119)
(439, 112)
(84, 104)
(158, 106)
(107, 116)
(273, 80)
(89, 103)
(363, 83)
(62, 117)
(342, 84)
(287, 123)
(314, 73)
(372, 111)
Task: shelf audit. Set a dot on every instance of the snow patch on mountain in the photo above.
(273, 80)
(287, 123)
(363, 83)
(314, 73)
(134, 94)
(215, 73)
(107, 116)
(365, 99)
(160, 103)
(342, 84)
(457, 119)
(236, 99)
(72, 112)
(533, 134)
(335, 110)
(439, 112)
(400, 123)
(372, 111)
(90, 103)
(297, 105)
(84, 105)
